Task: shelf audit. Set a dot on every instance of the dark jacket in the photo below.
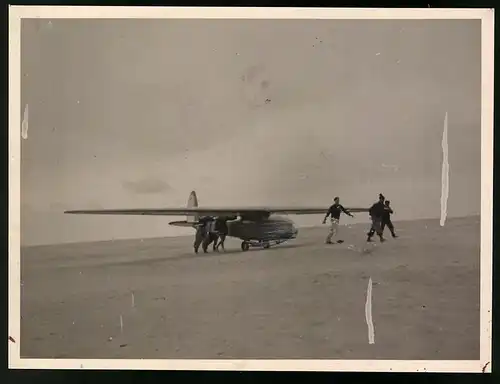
(335, 210)
(387, 213)
(203, 221)
(377, 210)
(221, 226)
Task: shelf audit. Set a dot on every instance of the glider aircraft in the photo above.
(255, 226)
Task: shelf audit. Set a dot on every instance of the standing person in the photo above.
(376, 212)
(334, 212)
(222, 230)
(210, 235)
(386, 218)
(201, 232)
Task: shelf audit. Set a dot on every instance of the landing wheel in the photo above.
(245, 246)
(267, 246)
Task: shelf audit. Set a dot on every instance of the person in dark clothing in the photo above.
(210, 235)
(201, 232)
(376, 213)
(334, 212)
(221, 229)
(386, 219)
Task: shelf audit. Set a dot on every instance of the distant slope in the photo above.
(303, 233)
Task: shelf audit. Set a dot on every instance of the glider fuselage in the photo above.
(273, 228)
(256, 227)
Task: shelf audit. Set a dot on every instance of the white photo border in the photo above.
(16, 13)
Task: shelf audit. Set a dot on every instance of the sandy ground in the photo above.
(156, 299)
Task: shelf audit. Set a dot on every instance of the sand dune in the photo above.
(156, 299)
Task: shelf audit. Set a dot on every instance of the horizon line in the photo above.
(181, 236)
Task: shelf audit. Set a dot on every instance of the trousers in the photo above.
(389, 225)
(333, 230)
(210, 237)
(222, 239)
(198, 238)
(376, 227)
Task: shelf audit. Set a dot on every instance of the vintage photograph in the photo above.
(250, 189)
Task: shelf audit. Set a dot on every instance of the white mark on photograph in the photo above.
(121, 323)
(24, 124)
(445, 173)
(133, 300)
(368, 313)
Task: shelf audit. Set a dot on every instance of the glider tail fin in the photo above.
(192, 203)
(191, 220)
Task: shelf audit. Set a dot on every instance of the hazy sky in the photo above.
(137, 113)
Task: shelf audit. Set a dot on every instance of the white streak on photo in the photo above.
(24, 124)
(445, 173)
(121, 323)
(133, 300)
(368, 313)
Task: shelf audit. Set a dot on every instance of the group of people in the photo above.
(380, 214)
(214, 230)
(211, 230)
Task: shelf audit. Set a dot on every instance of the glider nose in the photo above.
(295, 231)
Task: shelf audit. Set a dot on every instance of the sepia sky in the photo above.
(137, 113)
